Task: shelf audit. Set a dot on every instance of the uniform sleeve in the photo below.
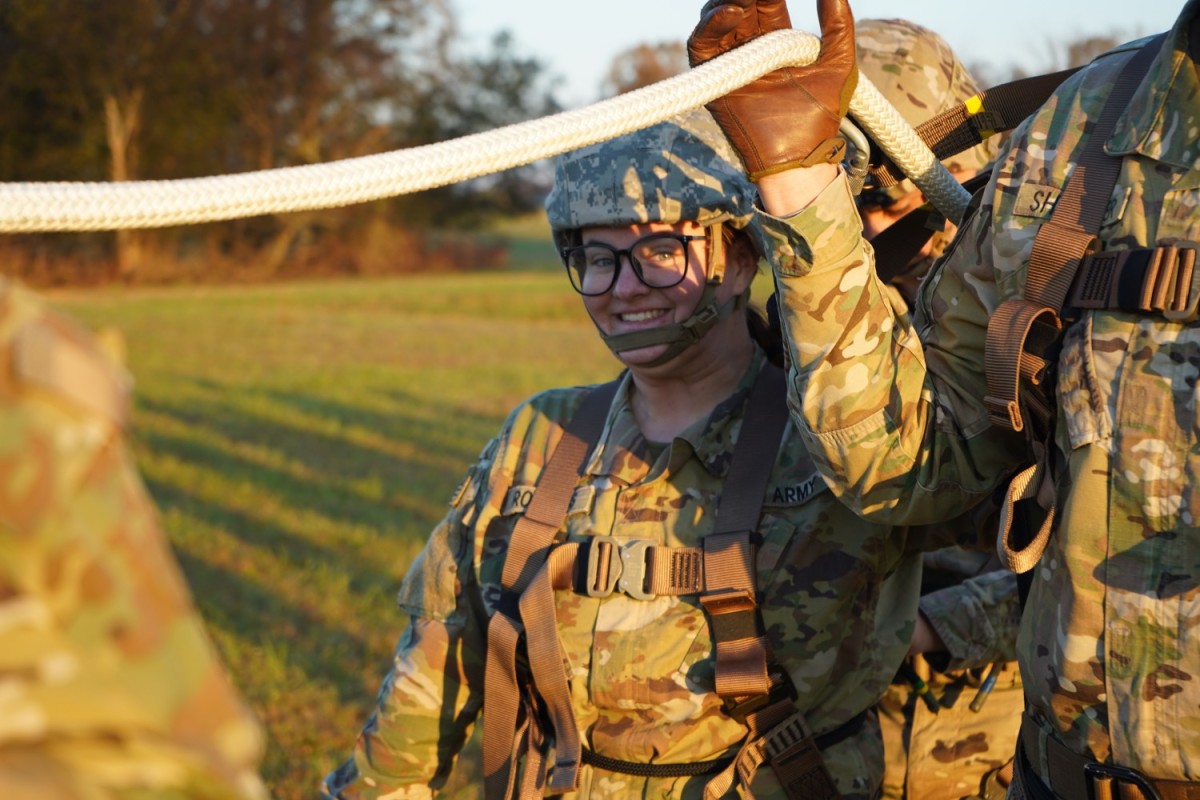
(431, 696)
(899, 432)
(977, 619)
(112, 686)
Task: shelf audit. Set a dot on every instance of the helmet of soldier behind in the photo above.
(918, 73)
(679, 170)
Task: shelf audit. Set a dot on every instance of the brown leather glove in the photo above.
(787, 118)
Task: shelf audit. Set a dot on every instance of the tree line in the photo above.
(163, 89)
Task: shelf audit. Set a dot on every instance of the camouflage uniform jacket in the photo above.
(950, 754)
(839, 598)
(112, 688)
(974, 606)
(1108, 646)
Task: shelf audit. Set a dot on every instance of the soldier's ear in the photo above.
(741, 262)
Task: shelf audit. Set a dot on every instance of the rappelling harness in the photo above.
(1069, 273)
(527, 707)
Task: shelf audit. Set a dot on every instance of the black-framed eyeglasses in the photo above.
(660, 261)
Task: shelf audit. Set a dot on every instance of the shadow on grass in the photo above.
(294, 517)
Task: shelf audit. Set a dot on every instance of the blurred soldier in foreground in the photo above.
(950, 719)
(110, 686)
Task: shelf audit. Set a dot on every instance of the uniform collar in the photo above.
(1161, 119)
(623, 453)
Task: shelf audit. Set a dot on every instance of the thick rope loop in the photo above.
(71, 206)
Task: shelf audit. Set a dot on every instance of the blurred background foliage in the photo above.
(162, 89)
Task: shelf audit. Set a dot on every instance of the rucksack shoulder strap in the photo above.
(1060, 244)
(977, 119)
(1023, 334)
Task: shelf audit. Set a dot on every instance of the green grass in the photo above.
(301, 441)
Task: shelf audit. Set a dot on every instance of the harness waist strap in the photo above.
(683, 769)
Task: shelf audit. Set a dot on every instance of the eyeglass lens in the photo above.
(659, 261)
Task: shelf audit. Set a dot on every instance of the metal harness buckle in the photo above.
(633, 569)
(613, 565)
(1115, 775)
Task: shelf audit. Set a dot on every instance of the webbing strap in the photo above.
(777, 733)
(992, 111)
(1023, 332)
(780, 736)
(730, 593)
(1061, 242)
(547, 664)
(1020, 557)
(544, 517)
(504, 728)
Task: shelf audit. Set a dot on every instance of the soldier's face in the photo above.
(878, 218)
(631, 305)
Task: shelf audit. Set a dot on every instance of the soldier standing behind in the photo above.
(950, 718)
(111, 686)
(912, 422)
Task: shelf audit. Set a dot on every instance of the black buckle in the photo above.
(1096, 771)
(782, 688)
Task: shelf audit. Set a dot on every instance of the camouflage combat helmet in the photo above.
(680, 170)
(918, 73)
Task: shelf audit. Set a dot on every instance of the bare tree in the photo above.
(643, 65)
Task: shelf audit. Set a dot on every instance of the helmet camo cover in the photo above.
(683, 169)
(918, 73)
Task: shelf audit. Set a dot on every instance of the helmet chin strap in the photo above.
(682, 335)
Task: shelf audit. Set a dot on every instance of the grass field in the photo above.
(301, 441)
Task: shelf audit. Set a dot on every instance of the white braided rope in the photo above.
(70, 206)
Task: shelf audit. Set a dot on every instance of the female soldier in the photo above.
(682, 601)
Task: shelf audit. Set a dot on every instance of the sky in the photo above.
(579, 41)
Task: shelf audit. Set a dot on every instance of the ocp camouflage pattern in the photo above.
(111, 686)
(839, 598)
(1108, 644)
(917, 72)
(971, 603)
(955, 752)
